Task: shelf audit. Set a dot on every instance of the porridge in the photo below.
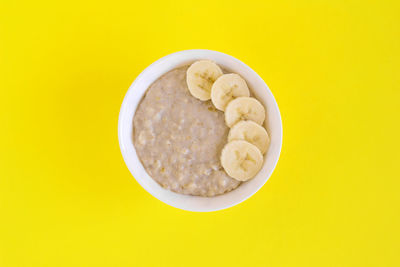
(194, 146)
(179, 138)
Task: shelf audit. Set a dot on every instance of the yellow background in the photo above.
(67, 198)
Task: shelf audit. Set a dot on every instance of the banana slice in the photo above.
(241, 160)
(244, 108)
(251, 132)
(226, 88)
(200, 76)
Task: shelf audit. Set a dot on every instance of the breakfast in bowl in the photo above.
(199, 130)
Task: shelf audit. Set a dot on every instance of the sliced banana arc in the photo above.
(241, 160)
(242, 156)
(226, 88)
(200, 77)
(244, 108)
(251, 132)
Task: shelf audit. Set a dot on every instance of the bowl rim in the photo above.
(121, 139)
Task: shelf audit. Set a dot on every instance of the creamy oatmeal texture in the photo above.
(179, 138)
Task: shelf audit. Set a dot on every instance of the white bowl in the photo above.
(135, 93)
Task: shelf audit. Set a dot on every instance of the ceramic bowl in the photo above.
(258, 87)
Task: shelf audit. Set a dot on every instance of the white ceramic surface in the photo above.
(135, 93)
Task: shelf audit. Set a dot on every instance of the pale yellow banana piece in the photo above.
(244, 108)
(241, 160)
(226, 88)
(251, 132)
(200, 76)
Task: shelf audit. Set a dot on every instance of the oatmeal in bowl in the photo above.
(178, 138)
(200, 130)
